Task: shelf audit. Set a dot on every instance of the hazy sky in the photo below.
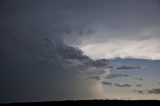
(79, 49)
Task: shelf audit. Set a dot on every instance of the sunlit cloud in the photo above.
(138, 49)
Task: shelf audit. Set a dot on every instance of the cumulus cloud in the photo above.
(154, 91)
(111, 76)
(106, 83)
(122, 85)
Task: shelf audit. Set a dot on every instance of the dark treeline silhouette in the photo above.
(95, 103)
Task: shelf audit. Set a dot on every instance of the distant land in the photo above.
(93, 102)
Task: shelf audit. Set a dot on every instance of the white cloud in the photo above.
(139, 49)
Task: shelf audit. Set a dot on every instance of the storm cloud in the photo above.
(34, 54)
(45, 60)
(52, 47)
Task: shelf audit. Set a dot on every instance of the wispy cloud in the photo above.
(139, 85)
(111, 76)
(139, 91)
(128, 67)
(138, 78)
(154, 91)
(122, 85)
(95, 77)
(106, 83)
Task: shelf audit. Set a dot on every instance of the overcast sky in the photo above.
(79, 49)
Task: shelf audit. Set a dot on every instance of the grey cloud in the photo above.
(101, 63)
(33, 54)
(111, 76)
(106, 83)
(43, 62)
(141, 79)
(139, 85)
(127, 67)
(139, 91)
(95, 77)
(154, 91)
(122, 85)
(34, 49)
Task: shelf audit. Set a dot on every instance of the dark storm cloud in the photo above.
(122, 85)
(154, 91)
(46, 64)
(111, 76)
(35, 39)
(34, 54)
(106, 83)
(126, 67)
(43, 63)
(139, 91)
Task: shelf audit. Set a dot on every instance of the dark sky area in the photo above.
(79, 49)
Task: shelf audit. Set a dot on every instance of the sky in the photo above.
(79, 49)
